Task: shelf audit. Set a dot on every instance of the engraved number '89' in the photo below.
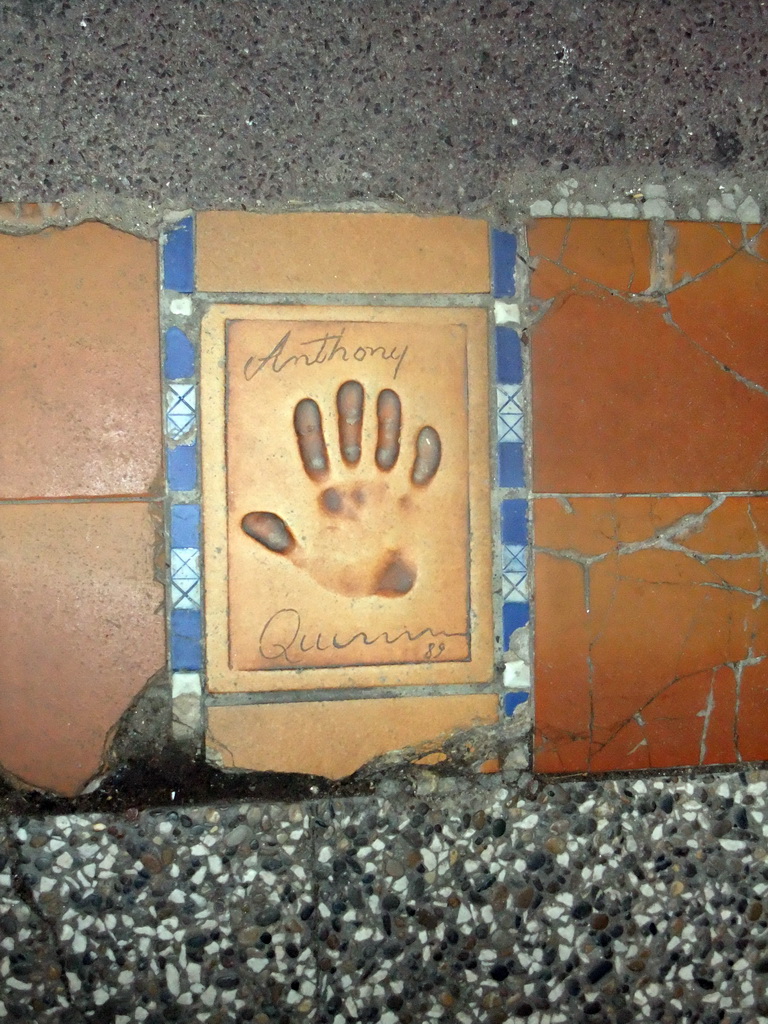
(432, 654)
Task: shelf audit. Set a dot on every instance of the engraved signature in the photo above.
(282, 637)
(322, 352)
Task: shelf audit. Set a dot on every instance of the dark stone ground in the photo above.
(439, 105)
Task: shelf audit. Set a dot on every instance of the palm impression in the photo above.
(369, 515)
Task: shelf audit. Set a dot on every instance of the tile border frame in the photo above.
(185, 652)
(514, 610)
(182, 308)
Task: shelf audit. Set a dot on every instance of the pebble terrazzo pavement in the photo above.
(514, 898)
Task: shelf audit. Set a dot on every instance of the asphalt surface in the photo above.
(439, 105)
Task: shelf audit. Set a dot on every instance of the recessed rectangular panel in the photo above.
(344, 528)
(381, 253)
(345, 467)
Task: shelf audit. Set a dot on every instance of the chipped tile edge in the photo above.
(187, 714)
(177, 244)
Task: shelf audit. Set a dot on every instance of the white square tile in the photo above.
(185, 683)
(185, 577)
(517, 675)
(510, 419)
(180, 404)
(514, 572)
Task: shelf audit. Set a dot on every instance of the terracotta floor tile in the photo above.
(723, 313)
(647, 655)
(610, 522)
(336, 738)
(624, 388)
(615, 254)
(340, 252)
(699, 247)
(81, 632)
(79, 364)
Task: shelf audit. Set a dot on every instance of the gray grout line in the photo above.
(349, 693)
(96, 499)
(346, 299)
(163, 325)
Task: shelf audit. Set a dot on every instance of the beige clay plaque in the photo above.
(345, 497)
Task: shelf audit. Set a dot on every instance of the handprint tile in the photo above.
(340, 462)
(362, 505)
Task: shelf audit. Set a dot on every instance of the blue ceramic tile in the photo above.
(511, 464)
(509, 356)
(179, 257)
(186, 655)
(185, 526)
(514, 522)
(182, 467)
(503, 251)
(513, 617)
(512, 701)
(179, 355)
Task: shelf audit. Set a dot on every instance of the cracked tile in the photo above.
(615, 254)
(652, 632)
(639, 388)
(723, 309)
(698, 248)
